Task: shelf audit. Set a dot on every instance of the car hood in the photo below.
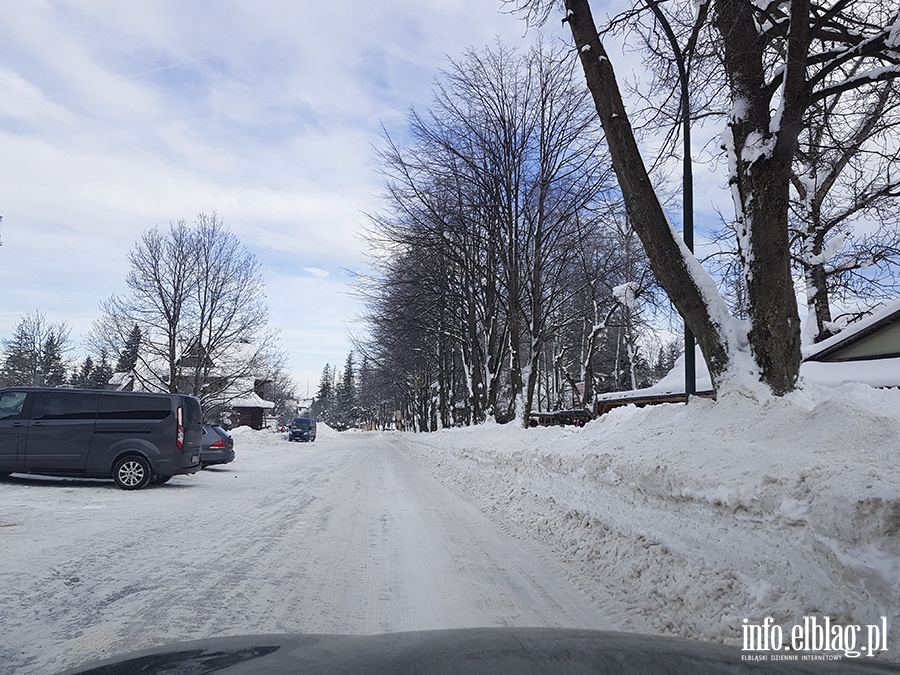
(459, 651)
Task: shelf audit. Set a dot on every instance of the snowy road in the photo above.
(345, 535)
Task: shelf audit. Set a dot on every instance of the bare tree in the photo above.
(843, 178)
(618, 301)
(160, 286)
(844, 229)
(412, 335)
(198, 301)
(486, 218)
(280, 388)
(776, 62)
(229, 335)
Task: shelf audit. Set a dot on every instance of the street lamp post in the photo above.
(690, 367)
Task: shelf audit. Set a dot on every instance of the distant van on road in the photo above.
(302, 429)
(133, 438)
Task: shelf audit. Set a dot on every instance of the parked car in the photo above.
(217, 446)
(302, 429)
(576, 418)
(133, 438)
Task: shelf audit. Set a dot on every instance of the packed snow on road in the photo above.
(692, 520)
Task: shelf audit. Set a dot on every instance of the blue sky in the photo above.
(119, 116)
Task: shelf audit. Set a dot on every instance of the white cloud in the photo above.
(117, 117)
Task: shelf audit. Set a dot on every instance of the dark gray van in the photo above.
(133, 438)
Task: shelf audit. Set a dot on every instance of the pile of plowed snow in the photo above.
(697, 517)
(270, 437)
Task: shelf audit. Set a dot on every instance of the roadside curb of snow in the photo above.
(785, 509)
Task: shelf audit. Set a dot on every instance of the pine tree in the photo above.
(324, 403)
(99, 377)
(81, 377)
(129, 355)
(20, 364)
(34, 355)
(666, 357)
(346, 395)
(52, 367)
(366, 397)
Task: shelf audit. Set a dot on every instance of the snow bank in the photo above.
(249, 436)
(697, 517)
(325, 431)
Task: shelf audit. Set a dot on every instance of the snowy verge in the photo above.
(267, 437)
(249, 436)
(697, 517)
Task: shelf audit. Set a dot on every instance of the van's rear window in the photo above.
(134, 407)
(192, 410)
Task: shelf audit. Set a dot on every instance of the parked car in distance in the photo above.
(302, 429)
(134, 438)
(576, 418)
(217, 446)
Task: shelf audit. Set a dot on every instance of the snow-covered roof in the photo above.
(880, 372)
(885, 315)
(874, 372)
(120, 380)
(672, 383)
(251, 400)
(883, 372)
(239, 394)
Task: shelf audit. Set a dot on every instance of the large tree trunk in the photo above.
(687, 285)
(772, 302)
(761, 150)
(761, 191)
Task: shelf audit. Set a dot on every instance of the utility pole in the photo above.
(687, 187)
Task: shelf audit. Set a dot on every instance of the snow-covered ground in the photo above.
(698, 517)
(344, 535)
(676, 519)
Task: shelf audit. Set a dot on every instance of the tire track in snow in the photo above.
(347, 535)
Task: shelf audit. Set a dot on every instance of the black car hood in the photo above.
(465, 651)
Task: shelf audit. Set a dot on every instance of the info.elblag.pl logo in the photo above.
(815, 635)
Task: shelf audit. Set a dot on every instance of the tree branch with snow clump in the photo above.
(626, 294)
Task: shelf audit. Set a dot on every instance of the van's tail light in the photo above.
(179, 433)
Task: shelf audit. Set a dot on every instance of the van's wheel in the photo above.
(159, 480)
(132, 472)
